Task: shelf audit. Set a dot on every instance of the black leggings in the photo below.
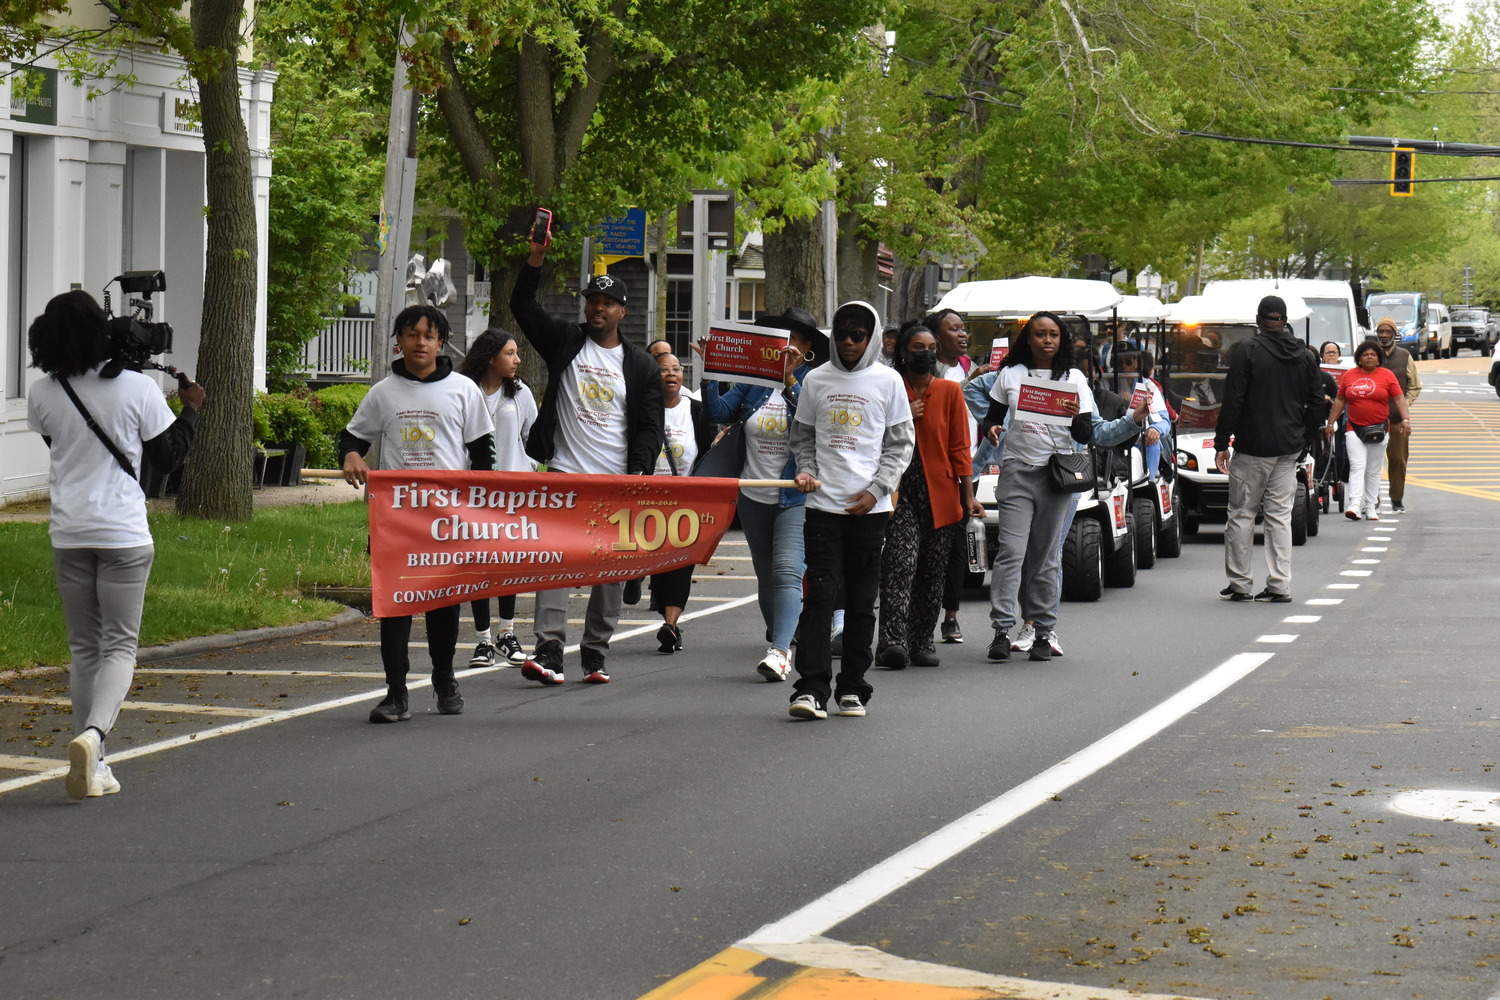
(442, 639)
(505, 605)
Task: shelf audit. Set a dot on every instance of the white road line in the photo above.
(1342, 586)
(1356, 572)
(289, 672)
(1375, 548)
(939, 846)
(1280, 637)
(1302, 619)
(1325, 601)
(323, 706)
(1364, 562)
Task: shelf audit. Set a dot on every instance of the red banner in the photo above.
(739, 352)
(441, 538)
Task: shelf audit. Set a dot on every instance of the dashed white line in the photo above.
(1278, 638)
(1302, 619)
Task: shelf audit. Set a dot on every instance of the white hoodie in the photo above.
(853, 429)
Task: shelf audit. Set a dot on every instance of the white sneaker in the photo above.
(775, 665)
(484, 654)
(805, 706)
(104, 783)
(1056, 646)
(1024, 638)
(509, 647)
(84, 755)
(851, 706)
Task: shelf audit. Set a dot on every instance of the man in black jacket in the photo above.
(601, 414)
(1271, 398)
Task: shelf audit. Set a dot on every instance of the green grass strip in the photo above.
(208, 577)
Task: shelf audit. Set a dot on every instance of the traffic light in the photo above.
(1403, 169)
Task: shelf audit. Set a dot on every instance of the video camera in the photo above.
(134, 336)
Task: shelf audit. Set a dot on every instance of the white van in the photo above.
(1439, 332)
(1334, 316)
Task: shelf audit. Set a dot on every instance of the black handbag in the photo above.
(1371, 433)
(1070, 472)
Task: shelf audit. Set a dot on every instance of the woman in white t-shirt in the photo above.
(101, 544)
(494, 362)
(686, 436)
(1028, 558)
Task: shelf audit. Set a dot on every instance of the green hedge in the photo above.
(311, 419)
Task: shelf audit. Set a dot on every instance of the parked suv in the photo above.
(1471, 328)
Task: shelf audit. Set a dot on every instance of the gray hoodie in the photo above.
(848, 462)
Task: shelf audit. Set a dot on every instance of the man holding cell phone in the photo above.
(601, 414)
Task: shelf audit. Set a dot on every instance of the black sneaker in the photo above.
(668, 639)
(951, 631)
(632, 593)
(1398, 506)
(1041, 646)
(392, 708)
(1271, 597)
(449, 701)
(593, 667)
(999, 646)
(893, 657)
(546, 663)
(509, 647)
(924, 658)
(1230, 594)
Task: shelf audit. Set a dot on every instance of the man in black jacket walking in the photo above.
(601, 414)
(1271, 396)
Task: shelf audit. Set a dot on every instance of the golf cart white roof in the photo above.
(1132, 309)
(1231, 305)
(1020, 297)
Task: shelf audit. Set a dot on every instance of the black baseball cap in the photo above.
(605, 284)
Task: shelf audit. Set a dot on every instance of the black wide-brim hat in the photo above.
(802, 322)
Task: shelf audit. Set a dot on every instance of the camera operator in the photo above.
(101, 545)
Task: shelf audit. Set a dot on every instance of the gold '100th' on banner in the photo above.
(440, 538)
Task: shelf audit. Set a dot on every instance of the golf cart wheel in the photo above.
(1145, 532)
(1119, 565)
(1169, 538)
(1299, 516)
(1083, 561)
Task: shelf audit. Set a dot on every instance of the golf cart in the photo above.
(1203, 332)
(1100, 548)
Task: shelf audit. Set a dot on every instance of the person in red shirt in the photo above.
(1369, 392)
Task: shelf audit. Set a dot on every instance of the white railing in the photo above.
(342, 350)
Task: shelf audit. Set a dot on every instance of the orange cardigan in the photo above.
(943, 441)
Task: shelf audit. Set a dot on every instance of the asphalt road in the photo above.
(1199, 799)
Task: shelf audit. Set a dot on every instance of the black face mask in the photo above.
(922, 362)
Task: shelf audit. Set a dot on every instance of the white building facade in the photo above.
(91, 188)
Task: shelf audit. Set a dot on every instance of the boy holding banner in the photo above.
(601, 414)
(425, 417)
(852, 437)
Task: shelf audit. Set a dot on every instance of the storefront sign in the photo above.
(33, 97)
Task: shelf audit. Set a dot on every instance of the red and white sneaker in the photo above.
(545, 665)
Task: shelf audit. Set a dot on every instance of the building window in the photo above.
(750, 299)
(680, 316)
(15, 318)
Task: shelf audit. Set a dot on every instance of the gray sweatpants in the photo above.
(102, 591)
(1028, 554)
(598, 621)
(1260, 482)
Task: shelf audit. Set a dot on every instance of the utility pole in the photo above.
(395, 212)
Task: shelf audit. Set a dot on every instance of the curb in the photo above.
(213, 643)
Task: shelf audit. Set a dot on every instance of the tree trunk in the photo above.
(906, 293)
(858, 262)
(794, 268)
(217, 481)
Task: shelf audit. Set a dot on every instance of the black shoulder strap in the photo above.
(88, 418)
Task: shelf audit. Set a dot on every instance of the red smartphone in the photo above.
(541, 227)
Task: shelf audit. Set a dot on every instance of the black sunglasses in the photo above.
(856, 335)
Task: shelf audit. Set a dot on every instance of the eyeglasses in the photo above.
(856, 335)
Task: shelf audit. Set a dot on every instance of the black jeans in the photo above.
(442, 638)
(843, 553)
